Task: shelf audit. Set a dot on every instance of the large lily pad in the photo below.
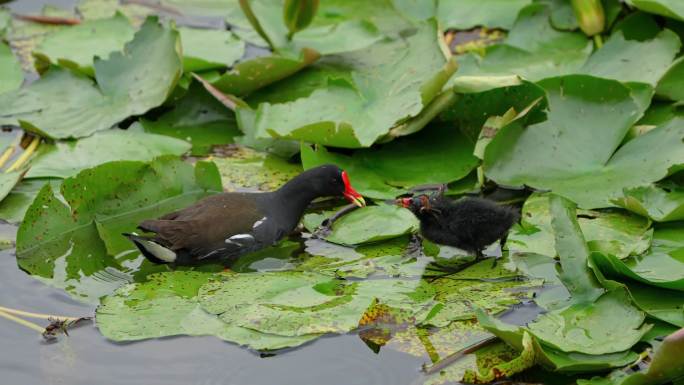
(671, 84)
(365, 83)
(65, 159)
(573, 152)
(662, 204)
(669, 8)
(198, 118)
(533, 50)
(560, 361)
(655, 268)
(609, 325)
(622, 59)
(249, 170)
(73, 240)
(614, 232)
(372, 224)
(76, 47)
(466, 14)
(205, 49)
(250, 75)
(65, 105)
(11, 76)
(167, 305)
(299, 303)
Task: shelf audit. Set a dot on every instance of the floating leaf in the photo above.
(249, 170)
(658, 203)
(670, 85)
(668, 8)
(76, 47)
(167, 305)
(198, 118)
(383, 171)
(14, 206)
(369, 112)
(654, 268)
(622, 59)
(250, 75)
(573, 152)
(533, 50)
(205, 49)
(11, 75)
(614, 232)
(64, 105)
(554, 359)
(372, 224)
(466, 14)
(74, 240)
(65, 159)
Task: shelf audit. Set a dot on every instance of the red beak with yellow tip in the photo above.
(351, 194)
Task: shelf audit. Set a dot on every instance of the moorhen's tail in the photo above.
(152, 250)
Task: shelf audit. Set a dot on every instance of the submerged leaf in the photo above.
(167, 305)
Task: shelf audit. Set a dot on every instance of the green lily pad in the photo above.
(249, 170)
(369, 112)
(102, 9)
(300, 303)
(670, 85)
(385, 171)
(573, 152)
(76, 47)
(614, 232)
(206, 49)
(655, 202)
(622, 59)
(609, 325)
(466, 14)
(167, 305)
(557, 360)
(250, 75)
(372, 224)
(479, 286)
(198, 118)
(654, 268)
(73, 240)
(15, 204)
(65, 159)
(665, 305)
(11, 75)
(668, 8)
(533, 50)
(665, 366)
(64, 105)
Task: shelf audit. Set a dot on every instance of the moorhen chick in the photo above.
(228, 225)
(470, 224)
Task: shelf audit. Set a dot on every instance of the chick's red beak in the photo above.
(351, 194)
(404, 202)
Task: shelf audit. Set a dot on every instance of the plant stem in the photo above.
(23, 322)
(6, 155)
(25, 155)
(36, 315)
(598, 40)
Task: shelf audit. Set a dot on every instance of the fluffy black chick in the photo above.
(470, 224)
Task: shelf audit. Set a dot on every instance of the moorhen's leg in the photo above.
(326, 227)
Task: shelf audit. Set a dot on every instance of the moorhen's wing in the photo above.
(205, 229)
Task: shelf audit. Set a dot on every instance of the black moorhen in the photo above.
(228, 225)
(469, 224)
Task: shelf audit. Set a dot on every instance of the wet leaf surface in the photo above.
(66, 105)
(11, 76)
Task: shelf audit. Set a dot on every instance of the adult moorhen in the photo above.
(228, 225)
(469, 224)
